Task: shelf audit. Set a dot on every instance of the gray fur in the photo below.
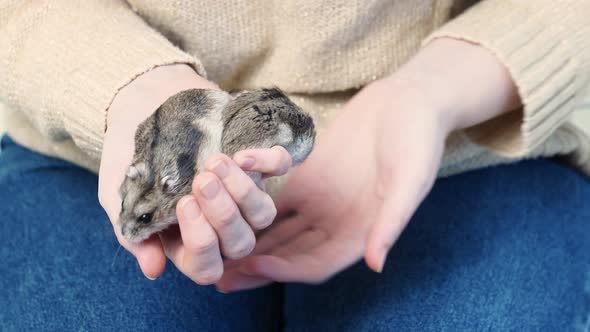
(172, 144)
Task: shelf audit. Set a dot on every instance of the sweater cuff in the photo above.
(119, 59)
(540, 59)
(71, 66)
(92, 96)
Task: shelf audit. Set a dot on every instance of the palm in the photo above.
(354, 194)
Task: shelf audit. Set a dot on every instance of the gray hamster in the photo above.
(172, 145)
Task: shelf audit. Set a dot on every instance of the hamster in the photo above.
(172, 145)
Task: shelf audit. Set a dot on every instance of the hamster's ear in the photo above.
(136, 170)
(169, 185)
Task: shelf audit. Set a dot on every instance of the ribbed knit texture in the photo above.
(62, 62)
(539, 43)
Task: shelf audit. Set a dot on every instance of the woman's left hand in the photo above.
(372, 167)
(354, 194)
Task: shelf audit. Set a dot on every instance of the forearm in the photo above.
(462, 80)
(73, 58)
(546, 50)
(142, 96)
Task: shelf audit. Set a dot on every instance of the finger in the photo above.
(279, 234)
(271, 239)
(200, 259)
(149, 253)
(150, 257)
(313, 266)
(283, 244)
(274, 161)
(256, 206)
(235, 235)
(398, 206)
(383, 235)
(235, 280)
(305, 241)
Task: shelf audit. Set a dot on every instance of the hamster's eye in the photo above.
(145, 218)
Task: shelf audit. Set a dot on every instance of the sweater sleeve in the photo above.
(62, 62)
(545, 45)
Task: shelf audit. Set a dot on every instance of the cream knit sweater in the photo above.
(63, 61)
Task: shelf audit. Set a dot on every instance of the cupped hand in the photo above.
(373, 166)
(353, 195)
(132, 105)
(231, 214)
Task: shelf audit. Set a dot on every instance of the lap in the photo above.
(62, 268)
(504, 248)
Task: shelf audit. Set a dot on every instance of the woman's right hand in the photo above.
(131, 106)
(209, 226)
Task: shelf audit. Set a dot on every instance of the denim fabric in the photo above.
(501, 249)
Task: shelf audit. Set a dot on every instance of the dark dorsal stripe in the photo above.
(273, 93)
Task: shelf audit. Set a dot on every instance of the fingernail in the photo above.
(380, 269)
(220, 169)
(246, 162)
(221, 291)
(152, 279)
(190, 209)
(383, 259)
(209, 188)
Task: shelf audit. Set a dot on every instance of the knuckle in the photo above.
(208, 277)
(259, 223)
(195, 184)
(241, 249)
(243, 193)
(277, 164)
(271, 214)
(217, 155)
(214, 158)
(201, 247)
(226, 217)
(265, 218)
(283, 156)
(280, 149)
(287, 160)
(200, 178)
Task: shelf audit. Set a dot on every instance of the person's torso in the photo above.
(301, 46)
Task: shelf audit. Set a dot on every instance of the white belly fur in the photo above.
(212, 127)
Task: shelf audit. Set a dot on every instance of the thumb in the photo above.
(395, 212)
(383, 234)
(150, 257)
(149, 254)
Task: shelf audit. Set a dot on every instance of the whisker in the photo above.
(116, 254)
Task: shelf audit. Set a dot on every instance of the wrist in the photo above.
(142, 96)
(462, 81)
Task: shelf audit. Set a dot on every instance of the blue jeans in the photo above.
(500, 249)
